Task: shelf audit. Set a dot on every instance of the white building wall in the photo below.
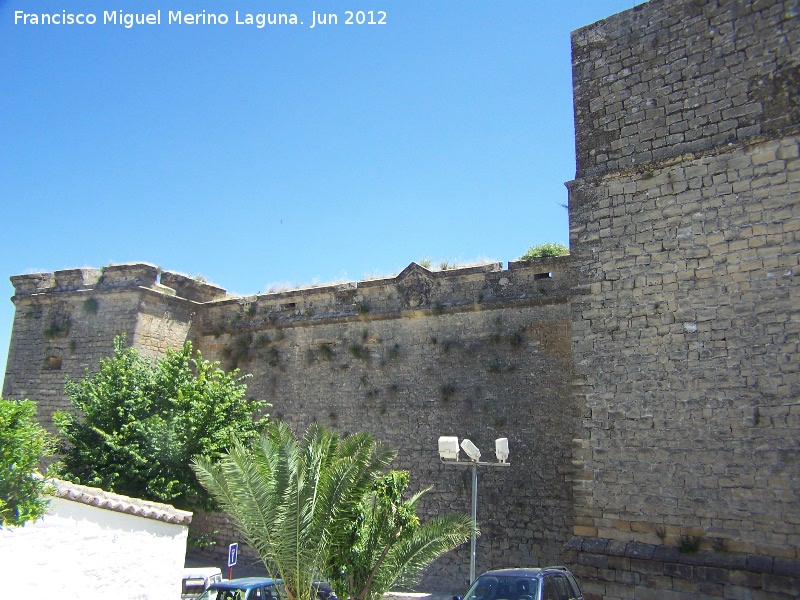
(81, 551)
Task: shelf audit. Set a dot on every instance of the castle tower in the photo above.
(684, 221)
(65, 322)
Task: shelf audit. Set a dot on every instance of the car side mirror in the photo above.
(457, 598)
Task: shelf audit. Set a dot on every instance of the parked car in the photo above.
(324, 591)
(198, 579)
(246, 588)
(546, 583)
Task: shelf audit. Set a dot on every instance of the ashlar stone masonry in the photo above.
(684, 223)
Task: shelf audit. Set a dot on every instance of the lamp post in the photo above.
(449, 454)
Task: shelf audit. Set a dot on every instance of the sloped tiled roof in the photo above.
(119, 503)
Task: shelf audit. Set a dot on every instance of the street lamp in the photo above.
(449, 454)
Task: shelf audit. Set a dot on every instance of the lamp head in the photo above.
(471, 450)
(501, 449)
(448, 447)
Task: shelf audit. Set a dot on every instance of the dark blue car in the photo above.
(545, 583)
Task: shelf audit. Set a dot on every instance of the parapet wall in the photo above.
(477, 352)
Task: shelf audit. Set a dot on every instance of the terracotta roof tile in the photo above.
(119, 503)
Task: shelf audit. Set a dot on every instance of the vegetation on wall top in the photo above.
(545, 250)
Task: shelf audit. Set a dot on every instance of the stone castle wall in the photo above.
(672, 77)
(477, 352)
(684, 224)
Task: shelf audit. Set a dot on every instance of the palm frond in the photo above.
(406, 561)
(292, 500)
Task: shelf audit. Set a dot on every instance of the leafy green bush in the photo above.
(23, 443)
(545, 250)
(136, 425)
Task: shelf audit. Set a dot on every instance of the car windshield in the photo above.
(492, 587)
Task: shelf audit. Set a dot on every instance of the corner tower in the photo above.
(65, 322)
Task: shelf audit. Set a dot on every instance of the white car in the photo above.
(196, 580)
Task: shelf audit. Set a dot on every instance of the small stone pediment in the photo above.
(414, 284)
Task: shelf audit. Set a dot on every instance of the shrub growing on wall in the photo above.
(545, 250)
(136, 425)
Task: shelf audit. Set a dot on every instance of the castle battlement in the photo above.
(116, 277)
(415, 290)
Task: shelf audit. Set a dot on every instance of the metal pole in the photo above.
(474, 520)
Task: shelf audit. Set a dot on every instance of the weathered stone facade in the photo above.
(684, 225)
(648, 383)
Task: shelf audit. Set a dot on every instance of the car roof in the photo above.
(532, 572)
(243, 583)
(523, 571)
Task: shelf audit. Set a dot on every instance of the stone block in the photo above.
(712, 574)
(746, 579)
(760, 564)
(648, 567)
(726, 560)
(780, 584)
(598, 561)
(574, 543)
(679, 570)
(639, 550)
(597, 545)
(790, 568)
(659, 594)
(731, 592)
(666, 553)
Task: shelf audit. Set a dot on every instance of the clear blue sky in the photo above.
(285, 153)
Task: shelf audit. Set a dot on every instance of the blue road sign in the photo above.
(233, 551)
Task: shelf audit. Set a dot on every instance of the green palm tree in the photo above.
(386, 545)
(405, 561)
(293, 501)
